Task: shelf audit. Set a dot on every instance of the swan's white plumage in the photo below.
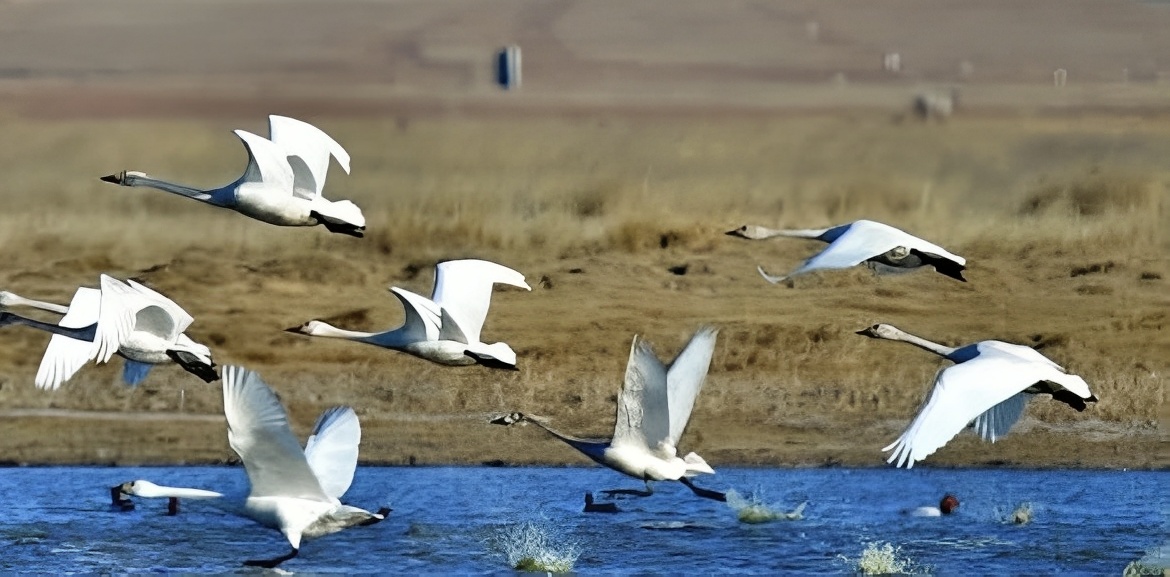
(445, 328)
(987, 387)
(854, 243)
(464, 289)
(332, 449)
(308, 149)
(282, 182)
(686, 376)
(643, 420)
(258, 431)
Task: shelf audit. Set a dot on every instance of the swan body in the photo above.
(128, 319)
(446, 327)
(884, 247)
(989, 384)
(294, 491)
(653, 409)
(282, 183)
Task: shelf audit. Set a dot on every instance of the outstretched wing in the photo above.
(308, 150)
(960, 394)
(259, 433)
(179, 320)
(866, 239)
(65, 356)
(422, 317)
(332, 449)
(998, 420)
(642, 411)
(117, 314)
(267, 164)
(464, 289)
(685, 379)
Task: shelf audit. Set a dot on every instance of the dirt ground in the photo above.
(642, 132)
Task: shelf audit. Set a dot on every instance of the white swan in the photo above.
(446, 327)
(296, 492)
(989, 384)
(283, 181)
(884, 247)
(653, 409)
(132, 320)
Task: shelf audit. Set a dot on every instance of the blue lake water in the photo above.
(459, 519)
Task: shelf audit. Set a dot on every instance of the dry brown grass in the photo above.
(643, 132)
(1064, 257)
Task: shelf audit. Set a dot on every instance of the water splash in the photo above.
(753, 509)
(1155, 562)
(883, 559)
(535, 546)
(1021, 515)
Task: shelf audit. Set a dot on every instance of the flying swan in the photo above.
(652, 412)
(989, 384)
(131, 320)
(283, 181)
(446, 327)
(884, 247)
(295, 492)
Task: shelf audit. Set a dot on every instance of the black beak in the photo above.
(296, 330)
(114, 178)
(732, 232)
(119, 499)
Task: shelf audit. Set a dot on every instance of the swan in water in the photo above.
(989, 383)
(129, 319)
(883, 247)
(446, 327)
(293, 491)
(282, 183)
(653, 409)
(946, 506)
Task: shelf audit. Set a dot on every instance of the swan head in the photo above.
(140, 488)
(696, 465)
(948, 504)
(124, 178)
(509, 419)
(311, 328)
(750, 231)
(880, 331)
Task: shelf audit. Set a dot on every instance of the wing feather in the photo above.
(332, 449)
(685, 379)
(464, 288)
(65, 356)
(642, 412)
(258, 431)
(308, 150)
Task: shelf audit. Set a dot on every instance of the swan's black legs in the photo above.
(120, 500)
(381, 516)
(704, 493)
(172, 506)
(270, 563)
(194, 365)
(635, 492)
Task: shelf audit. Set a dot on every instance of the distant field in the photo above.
(1058, 200)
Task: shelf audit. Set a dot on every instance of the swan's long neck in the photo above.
(332, 332)
(798, 232)
(940, 350)
(590, 448)
(83, 334)
(150, 490)
(180, 189)
(8, 299)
